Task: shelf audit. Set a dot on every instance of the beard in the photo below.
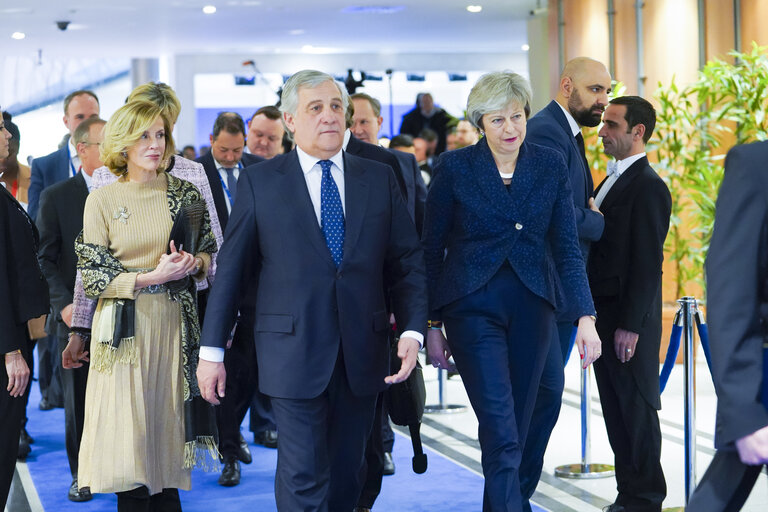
(584, 116)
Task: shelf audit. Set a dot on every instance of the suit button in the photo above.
(518, 226)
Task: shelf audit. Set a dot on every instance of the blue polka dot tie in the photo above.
(331, 213)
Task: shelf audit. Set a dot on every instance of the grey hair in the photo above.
(289, 101)
(494, 91)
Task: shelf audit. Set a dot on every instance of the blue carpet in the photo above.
(445, 486)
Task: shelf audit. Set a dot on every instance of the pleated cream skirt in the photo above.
(134, 418)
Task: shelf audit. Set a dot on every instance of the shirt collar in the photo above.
(220, 167)
(88, 179)
(623, 165)
(72, 151)
(347, 135)
(575, 129)
(307, 162)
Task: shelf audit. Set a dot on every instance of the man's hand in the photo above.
(753, 449)
(74, 353)
(18, 374)
(438, 350)
(407, 349)
(66, 315)
(624, 343)
(593, 206)
(211, 379)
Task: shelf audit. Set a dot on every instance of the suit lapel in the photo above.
(355, 201)
(296, 196)
(487, 176)
(623, 182)
(557, 114)
(217, 191)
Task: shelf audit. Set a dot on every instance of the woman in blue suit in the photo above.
(499, 225)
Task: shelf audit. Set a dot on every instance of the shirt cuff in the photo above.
(415, 335)
(212, 354)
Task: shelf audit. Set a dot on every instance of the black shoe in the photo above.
(389, 465)
(267, 438)
(45, 405)
(24, 449)
(230, 475)
(79, 495)
(26, 437)
(244, 453)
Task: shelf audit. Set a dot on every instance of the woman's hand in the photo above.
(588, 341)
(73, 353)
(171, 267)
(438, 350)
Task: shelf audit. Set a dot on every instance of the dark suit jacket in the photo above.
(46, 171)
(60, 220)
(625, 270)
(416, 189)
(305, 307)
(550, 128)
(23, 289)
(482, 225)
(737, 295)
(214, 179)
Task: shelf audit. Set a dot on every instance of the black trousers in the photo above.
(499, 336)
(374, 458)
(322, 446)
(49, 370)
(240, 363)
(139, 500)
(73, 383)
(634, 434)
(726, 485)
(12, 413)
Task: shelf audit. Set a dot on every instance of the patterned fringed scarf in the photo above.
(113, 340)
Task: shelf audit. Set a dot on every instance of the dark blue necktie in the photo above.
(331, 213)
(231, 184)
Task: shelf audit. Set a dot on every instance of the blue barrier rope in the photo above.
(674, 348)
(669, 361)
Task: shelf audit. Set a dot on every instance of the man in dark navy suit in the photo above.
(46, 171)
(624, 271)
(737, 309)
(224, 164)
(365, 126)
(580, 101)
(64, 162)
(326, 233)
(60, 221)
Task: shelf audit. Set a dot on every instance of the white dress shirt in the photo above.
(74, 159)
(575, 129)
(223, 176)
(614, 174)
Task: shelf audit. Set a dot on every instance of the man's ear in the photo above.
(288, 120)
(638, 131)
(566, 86)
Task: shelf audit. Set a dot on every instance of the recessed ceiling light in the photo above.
(296, 31)
(525, 47)
(474, 8)
(209, 9)
(18, 35)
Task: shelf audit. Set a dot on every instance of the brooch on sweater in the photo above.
(121, 215)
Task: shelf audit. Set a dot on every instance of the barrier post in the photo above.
(442, 407)
(690, 305)
(585, 469)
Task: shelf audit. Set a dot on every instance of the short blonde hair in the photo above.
(494, 91)
(161, 95)
(125, 128)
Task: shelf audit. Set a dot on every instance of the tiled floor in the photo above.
(456, 436)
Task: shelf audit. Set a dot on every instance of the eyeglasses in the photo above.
(92, 143)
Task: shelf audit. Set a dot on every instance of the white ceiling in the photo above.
(152, 28)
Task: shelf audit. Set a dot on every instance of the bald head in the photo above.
(584, 87)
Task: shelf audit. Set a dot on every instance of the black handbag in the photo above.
(405, 403)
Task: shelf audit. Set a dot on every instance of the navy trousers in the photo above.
(320, 456)
(499, 336)
(726, 485)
